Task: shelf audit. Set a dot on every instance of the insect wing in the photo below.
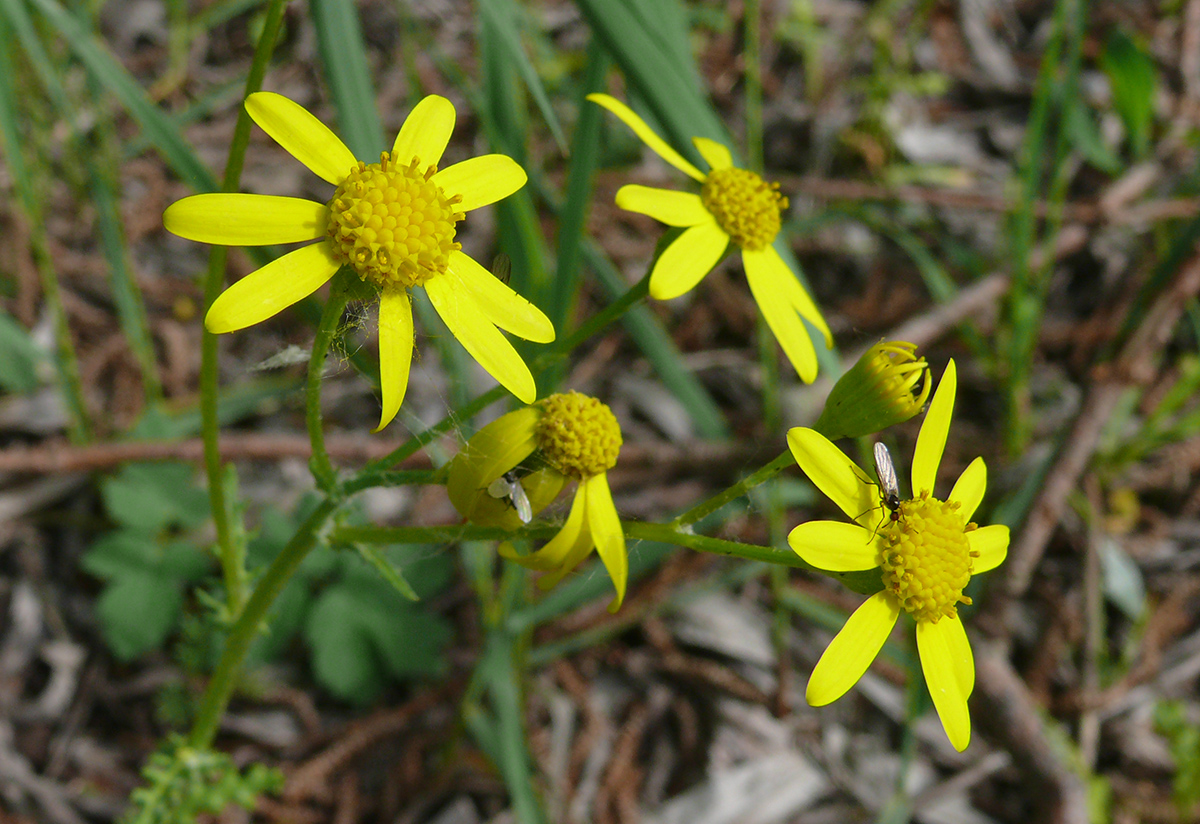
(520, 502)
(887, 476)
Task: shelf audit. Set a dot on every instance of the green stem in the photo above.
(331, 316)
(705, 508)
(668, 534)
(237, 644)
(230, 550)
(751, 34)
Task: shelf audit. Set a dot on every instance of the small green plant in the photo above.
(183, 781)
(148, 561)
(1183, 737)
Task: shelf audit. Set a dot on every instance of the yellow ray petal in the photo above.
(479, 337)
(425, 132)
(835, 546)
(500, 304)
(562, 546)
(797, 295)
(303, 136)
(932, 439)
(852, 650)
(605, 526)
(271, 289)
(246, 220)
(664, 205)
(991, 542)
(481, 180)
(689, 258)
(961, 656)
(395, 350)
(969, 488)
(772, 295)
(941, 662)
(835, 475)
(715, 154)
(647, 135)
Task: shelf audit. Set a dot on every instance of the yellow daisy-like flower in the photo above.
(734, 206)
(563, 437)
(392, 222)
(927, 550)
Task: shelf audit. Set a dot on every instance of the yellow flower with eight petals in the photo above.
(927, 554)
(734, 206)
(392, 222)
(563, 437)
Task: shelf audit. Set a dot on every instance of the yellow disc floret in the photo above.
(926, 558)
(392, 223)
(578, 435)
(745, 206)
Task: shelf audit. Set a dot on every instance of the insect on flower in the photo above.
(509, 486)
(889, 485)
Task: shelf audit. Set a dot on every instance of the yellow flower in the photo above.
(734, 206)
(392, 222)
(563, 437)
(927, 550)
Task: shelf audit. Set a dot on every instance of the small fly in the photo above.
(509, 486)
(888, 485)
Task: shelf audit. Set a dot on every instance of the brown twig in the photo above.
(1135, 365)
(1010, 717)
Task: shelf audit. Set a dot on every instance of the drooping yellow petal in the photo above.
(647, 135)
(772, 295)
(852, 650)
(969, 488)
(246, 220)
(943, 668)
(562, 546)
(834, 545)
(395, 350)
(932, 439)
(689, 258)
(715, 154)
(961, 656)
(479, 337)
(835, 474)
(502, 444)
(425, 132)
(605, 526)
(481, 180)
(271, 289)
(797, 295)
(303, 136)
(500, 304)
(664, 205)
(991, 542)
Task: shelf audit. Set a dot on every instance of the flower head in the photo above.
(392, 222)
(561, 438)
(927, 550)
(880, 390)
(734, 206)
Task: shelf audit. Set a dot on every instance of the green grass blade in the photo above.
(501, 16)
(648, 333)
(344, 56)
(154, 122)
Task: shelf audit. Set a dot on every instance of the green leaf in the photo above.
(1134, 80)
(390, 574)
(1085, 136)
(343, 54)
(119, 554)
(18, 367)
(138, 612)
(343, 657)
(153, 497)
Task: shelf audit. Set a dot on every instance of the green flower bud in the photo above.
(877, 392)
